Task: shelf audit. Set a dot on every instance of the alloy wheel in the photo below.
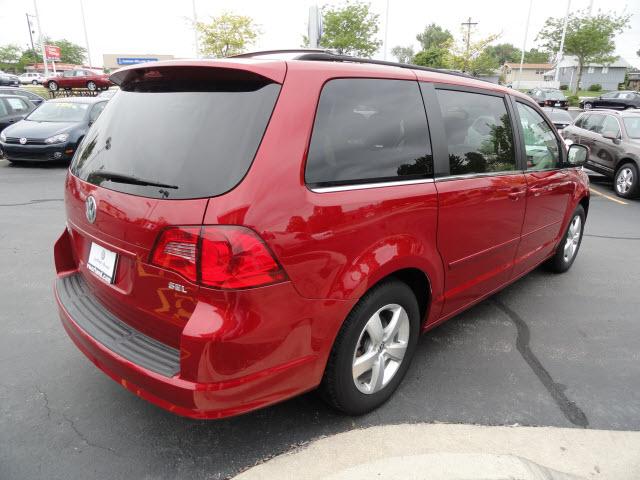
(587, 106)
(381, 348)
(91, 86)
(624, 180)
(573, 238)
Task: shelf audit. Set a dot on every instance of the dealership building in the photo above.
(114, 61)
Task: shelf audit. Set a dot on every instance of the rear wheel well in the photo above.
(418, 281)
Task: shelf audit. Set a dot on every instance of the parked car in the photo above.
(13, 109)
(559, 117)
(80, 78)
(52, 132)
(33, 78)
(241, 231)
(9, 80)
(32, 97)
(549, 97)
(621, 100)
(613, 139)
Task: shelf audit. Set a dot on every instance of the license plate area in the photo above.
(102, 262)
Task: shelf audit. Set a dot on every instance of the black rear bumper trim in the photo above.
(95, 320)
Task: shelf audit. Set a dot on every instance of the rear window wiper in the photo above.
(122, 178)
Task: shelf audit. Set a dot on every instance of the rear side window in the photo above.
(178, 133)
(369, 130)
(479, 132)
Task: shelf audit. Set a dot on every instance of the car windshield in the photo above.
(59, 112)
(554, 95)
(632, 126)
(197, 132)
(557, 115)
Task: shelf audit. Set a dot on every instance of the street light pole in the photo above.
(195, 29)
(44, 54)
(564, 32)
(386, 29)
(86, 37)
(524, 43)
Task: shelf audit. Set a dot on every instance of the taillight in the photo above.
(220, 256)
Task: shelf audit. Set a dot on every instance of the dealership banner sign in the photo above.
(52, 53)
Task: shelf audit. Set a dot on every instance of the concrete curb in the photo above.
(443, 452)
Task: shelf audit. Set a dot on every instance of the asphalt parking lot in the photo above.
(557, 350)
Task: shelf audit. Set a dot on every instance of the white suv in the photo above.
(31, 77)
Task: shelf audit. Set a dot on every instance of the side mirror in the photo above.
(610, 135)
(577, 155)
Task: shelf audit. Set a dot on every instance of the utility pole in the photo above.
(86, 37)
(44, 54)
(33, 48)
(564, 33)
(467, 24)
(524, 43)
(195, 29)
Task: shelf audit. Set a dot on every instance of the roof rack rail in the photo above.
(328, 56)
(325, 55)
(301, 51)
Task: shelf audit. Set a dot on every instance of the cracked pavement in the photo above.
(557, 350)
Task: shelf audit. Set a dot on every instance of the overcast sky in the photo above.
(164, 27)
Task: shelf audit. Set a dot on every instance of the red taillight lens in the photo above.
(176, 250)
(221, 256)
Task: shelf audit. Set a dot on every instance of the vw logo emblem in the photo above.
(90, 209)
(23, 141)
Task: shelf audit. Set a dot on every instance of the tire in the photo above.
(53, 86)
(561, 261)
(92, 86)
(588, 106)
(34, 82)
(626, 181)
(384, 302)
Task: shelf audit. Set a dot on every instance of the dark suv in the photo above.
(240, 231)
(613, 139)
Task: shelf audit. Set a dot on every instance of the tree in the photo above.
(475, 60)
(69, 51)
(226, 35)
(434, 36)
(350, 29)
(536, 56)
(589, 38)
(435, 57)
(504, 52)
(10, 57)
(403, 54)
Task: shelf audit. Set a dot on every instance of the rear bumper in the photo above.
(106, 341)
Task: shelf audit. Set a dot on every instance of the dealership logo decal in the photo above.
(90, 209)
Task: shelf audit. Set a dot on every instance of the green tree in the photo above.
(227, 35)
(350, 29)
(10, 57)
(475, 59)
(504, 52)
(69, 51)
(434, 36)
(589, 37)
(435, 57)
(536, 56)
(403, 54)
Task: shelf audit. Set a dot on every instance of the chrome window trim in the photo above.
(364, 186)
(480, 175)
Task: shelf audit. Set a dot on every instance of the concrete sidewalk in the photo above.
(446, 452)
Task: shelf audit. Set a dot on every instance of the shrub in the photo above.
(596, 87)
(564, 87)
(573, 100)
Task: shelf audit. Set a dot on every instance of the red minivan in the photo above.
(240, 231)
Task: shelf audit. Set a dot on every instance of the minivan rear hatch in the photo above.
(175, 135)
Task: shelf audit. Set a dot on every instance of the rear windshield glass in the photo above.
(60, 112)
(178, 134)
